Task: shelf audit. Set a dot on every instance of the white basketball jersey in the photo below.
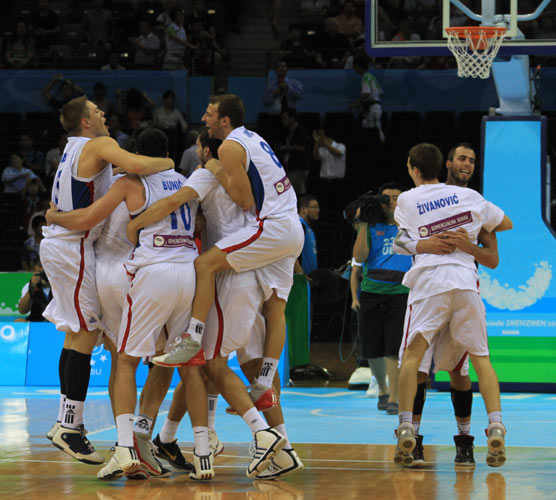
(170, 239)
(223, 216)
(272, 190)
(71, 192)
(433, 208)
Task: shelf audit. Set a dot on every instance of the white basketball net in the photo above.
(474, 53)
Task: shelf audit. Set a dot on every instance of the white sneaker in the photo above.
(496, 436)
(284, 462)
(53, 430)
(268, 442)
(406, 444)
(360, 376)
(124, 461)
(372, 391)
(216, 447)
(203, 467)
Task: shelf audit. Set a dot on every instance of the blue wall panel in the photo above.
(13, 352)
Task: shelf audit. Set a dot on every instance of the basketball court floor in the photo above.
(345, 443)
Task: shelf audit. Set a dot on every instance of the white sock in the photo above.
(495, 416)
(142, 424)
(196, 329)
(405, 416)
(281, 428)
(168, 432)
(267, 372)
(212, 402)
(61, 409)
(73, 413)
(464, 427)
(416, 425)
(254, 420)
(201, 437)
(124, 423)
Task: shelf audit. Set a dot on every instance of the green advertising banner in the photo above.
(10, 292)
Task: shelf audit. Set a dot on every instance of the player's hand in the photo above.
(437, 245)
(132, 232)
(355, 305)
(214, 167)
(50, 213)
(458, 238)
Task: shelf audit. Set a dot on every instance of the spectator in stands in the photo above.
(147, 46)
(190, 159)
(15, 176)
(138, 109)
(113, 63)
(103, 103)
(32, 158)
(114, 127)
(53, 157)
(176, 42)
(349, 23)
(369, 101)
(30, 199)
(282, 92)
(292, 151)
(68, 91)
(164, 19)
(35, 295)
(167, 117)
(332, 48)
(358, 48)
(332, 157)
(312, 12)
(294, 50)
(43, 206)
(308, 209)
(44, 25)
(99, 26)
(200, 15)
(20, 49)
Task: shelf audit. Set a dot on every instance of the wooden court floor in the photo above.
(332, 471)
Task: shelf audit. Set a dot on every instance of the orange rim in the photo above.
(475, 32)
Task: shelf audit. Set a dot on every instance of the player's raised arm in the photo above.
(83, 219)
(108, 150)
(233, 157)
(159, 210)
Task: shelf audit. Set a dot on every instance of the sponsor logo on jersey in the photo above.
(282, 185)
(445, 224)
(173, 241)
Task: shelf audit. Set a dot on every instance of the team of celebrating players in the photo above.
(141, 287)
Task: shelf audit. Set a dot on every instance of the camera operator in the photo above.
(35, 295)
(383, 300)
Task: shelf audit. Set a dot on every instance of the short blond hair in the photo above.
(72, 112)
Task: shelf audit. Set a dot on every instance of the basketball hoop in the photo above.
(474, 48)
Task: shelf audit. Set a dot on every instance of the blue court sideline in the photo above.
(313, 415)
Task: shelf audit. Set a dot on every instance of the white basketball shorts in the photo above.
(268, 242)
(231, 319)
(453, 323)
(159, 294)
(70, 267)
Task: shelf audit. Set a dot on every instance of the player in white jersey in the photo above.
(231, 323)
(443, 291)
(163, 261)
(84, 174)
(255, 180)
(460, 165)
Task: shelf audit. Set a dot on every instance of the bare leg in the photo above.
(125, 387)
(393, 374)
(488, 382)
(178, 407)
(155, 390)
(195, 395)
(112, 380)
(206, 266)
(407, 381)
(274, 310)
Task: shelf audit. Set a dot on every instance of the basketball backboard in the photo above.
(417, 28)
